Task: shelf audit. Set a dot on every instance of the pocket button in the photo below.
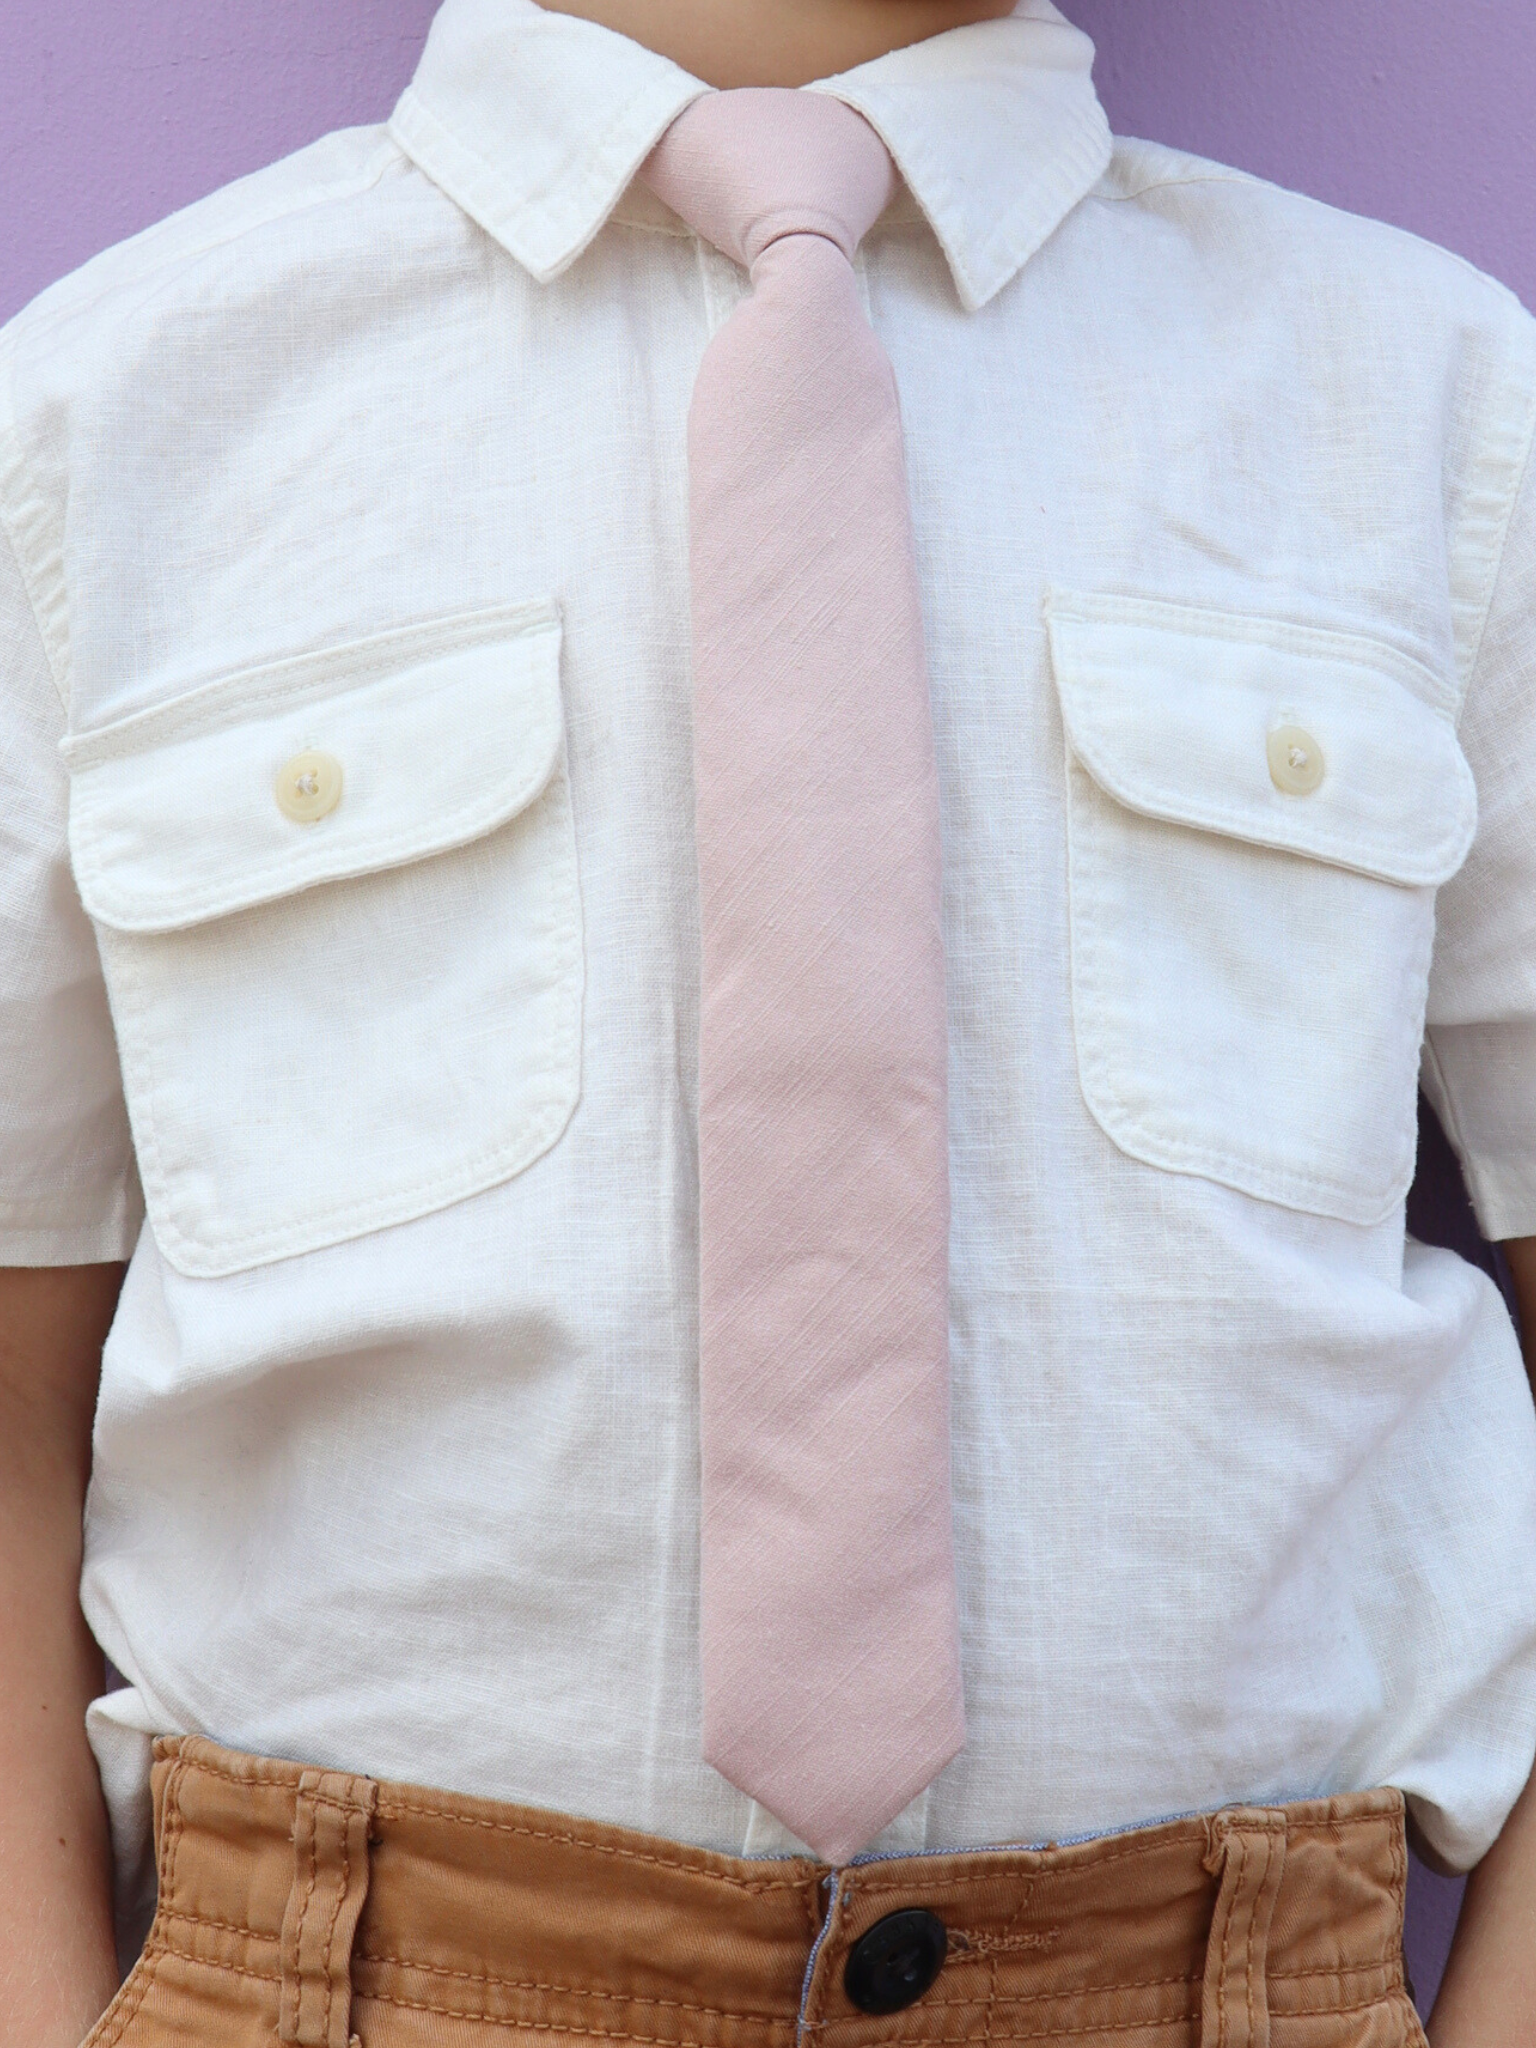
(309, 786)
(1295, 761)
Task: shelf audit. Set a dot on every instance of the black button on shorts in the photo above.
(896, 1961)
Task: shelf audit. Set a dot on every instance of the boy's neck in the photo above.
(777, 42)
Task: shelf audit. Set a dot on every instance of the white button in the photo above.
(1295, 761)
(309, 786)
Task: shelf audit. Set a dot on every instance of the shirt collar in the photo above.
(535, 123)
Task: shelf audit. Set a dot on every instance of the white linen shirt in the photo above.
(379, 456)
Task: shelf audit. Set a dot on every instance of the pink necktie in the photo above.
(830, 1642)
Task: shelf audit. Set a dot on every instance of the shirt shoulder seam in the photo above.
(1212, 173)
(1498, 522)
(1213, 176)
(12, 464)
(41, 567)
(385, 153)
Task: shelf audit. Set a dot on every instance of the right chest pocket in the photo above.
(1259, 815)
(339, 918)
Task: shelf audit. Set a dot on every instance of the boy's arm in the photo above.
(69, 1202)
(1488, 1994)
(58, 1967)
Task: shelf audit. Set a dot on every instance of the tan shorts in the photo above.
(313, 1907)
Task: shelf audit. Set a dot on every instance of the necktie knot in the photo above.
(746, 168)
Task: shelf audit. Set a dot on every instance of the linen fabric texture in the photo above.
(1242, 1478)
(828, 1634)
(319, 1908)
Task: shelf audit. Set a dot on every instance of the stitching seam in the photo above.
(391, 1810)
(1495, 574)
(117, 2018)
(1181, 2019)
(295, 1969)
(874, 1885)
(555, 1085)
(162, 1949)
(36, 616)
(339, 1893)
(343, 670)
(1096, 965)
(1080, 1991)
(1226, 1934)
(714, 2012)
(485, 2019)
(1250, 629)
(305, 864)
(394, 1809)
(158, 1949)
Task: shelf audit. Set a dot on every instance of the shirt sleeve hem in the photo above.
(104, 1241)
(1477, 1080)
(1503, 1210)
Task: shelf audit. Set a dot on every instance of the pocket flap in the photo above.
(1171, 711)
(441, 732)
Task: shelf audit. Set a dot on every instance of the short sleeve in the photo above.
(1480, 1052)
(69, 1194)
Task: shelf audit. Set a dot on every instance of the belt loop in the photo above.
(1247, 1851)
(330, 1883)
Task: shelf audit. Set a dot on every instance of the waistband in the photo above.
(333, 1907)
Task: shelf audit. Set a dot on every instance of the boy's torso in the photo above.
(396, 1459)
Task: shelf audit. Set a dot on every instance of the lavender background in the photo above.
(115, 112)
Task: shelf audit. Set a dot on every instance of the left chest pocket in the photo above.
(1259, 816)
(339, 918)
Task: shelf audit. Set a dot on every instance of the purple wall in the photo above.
(115, 112)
